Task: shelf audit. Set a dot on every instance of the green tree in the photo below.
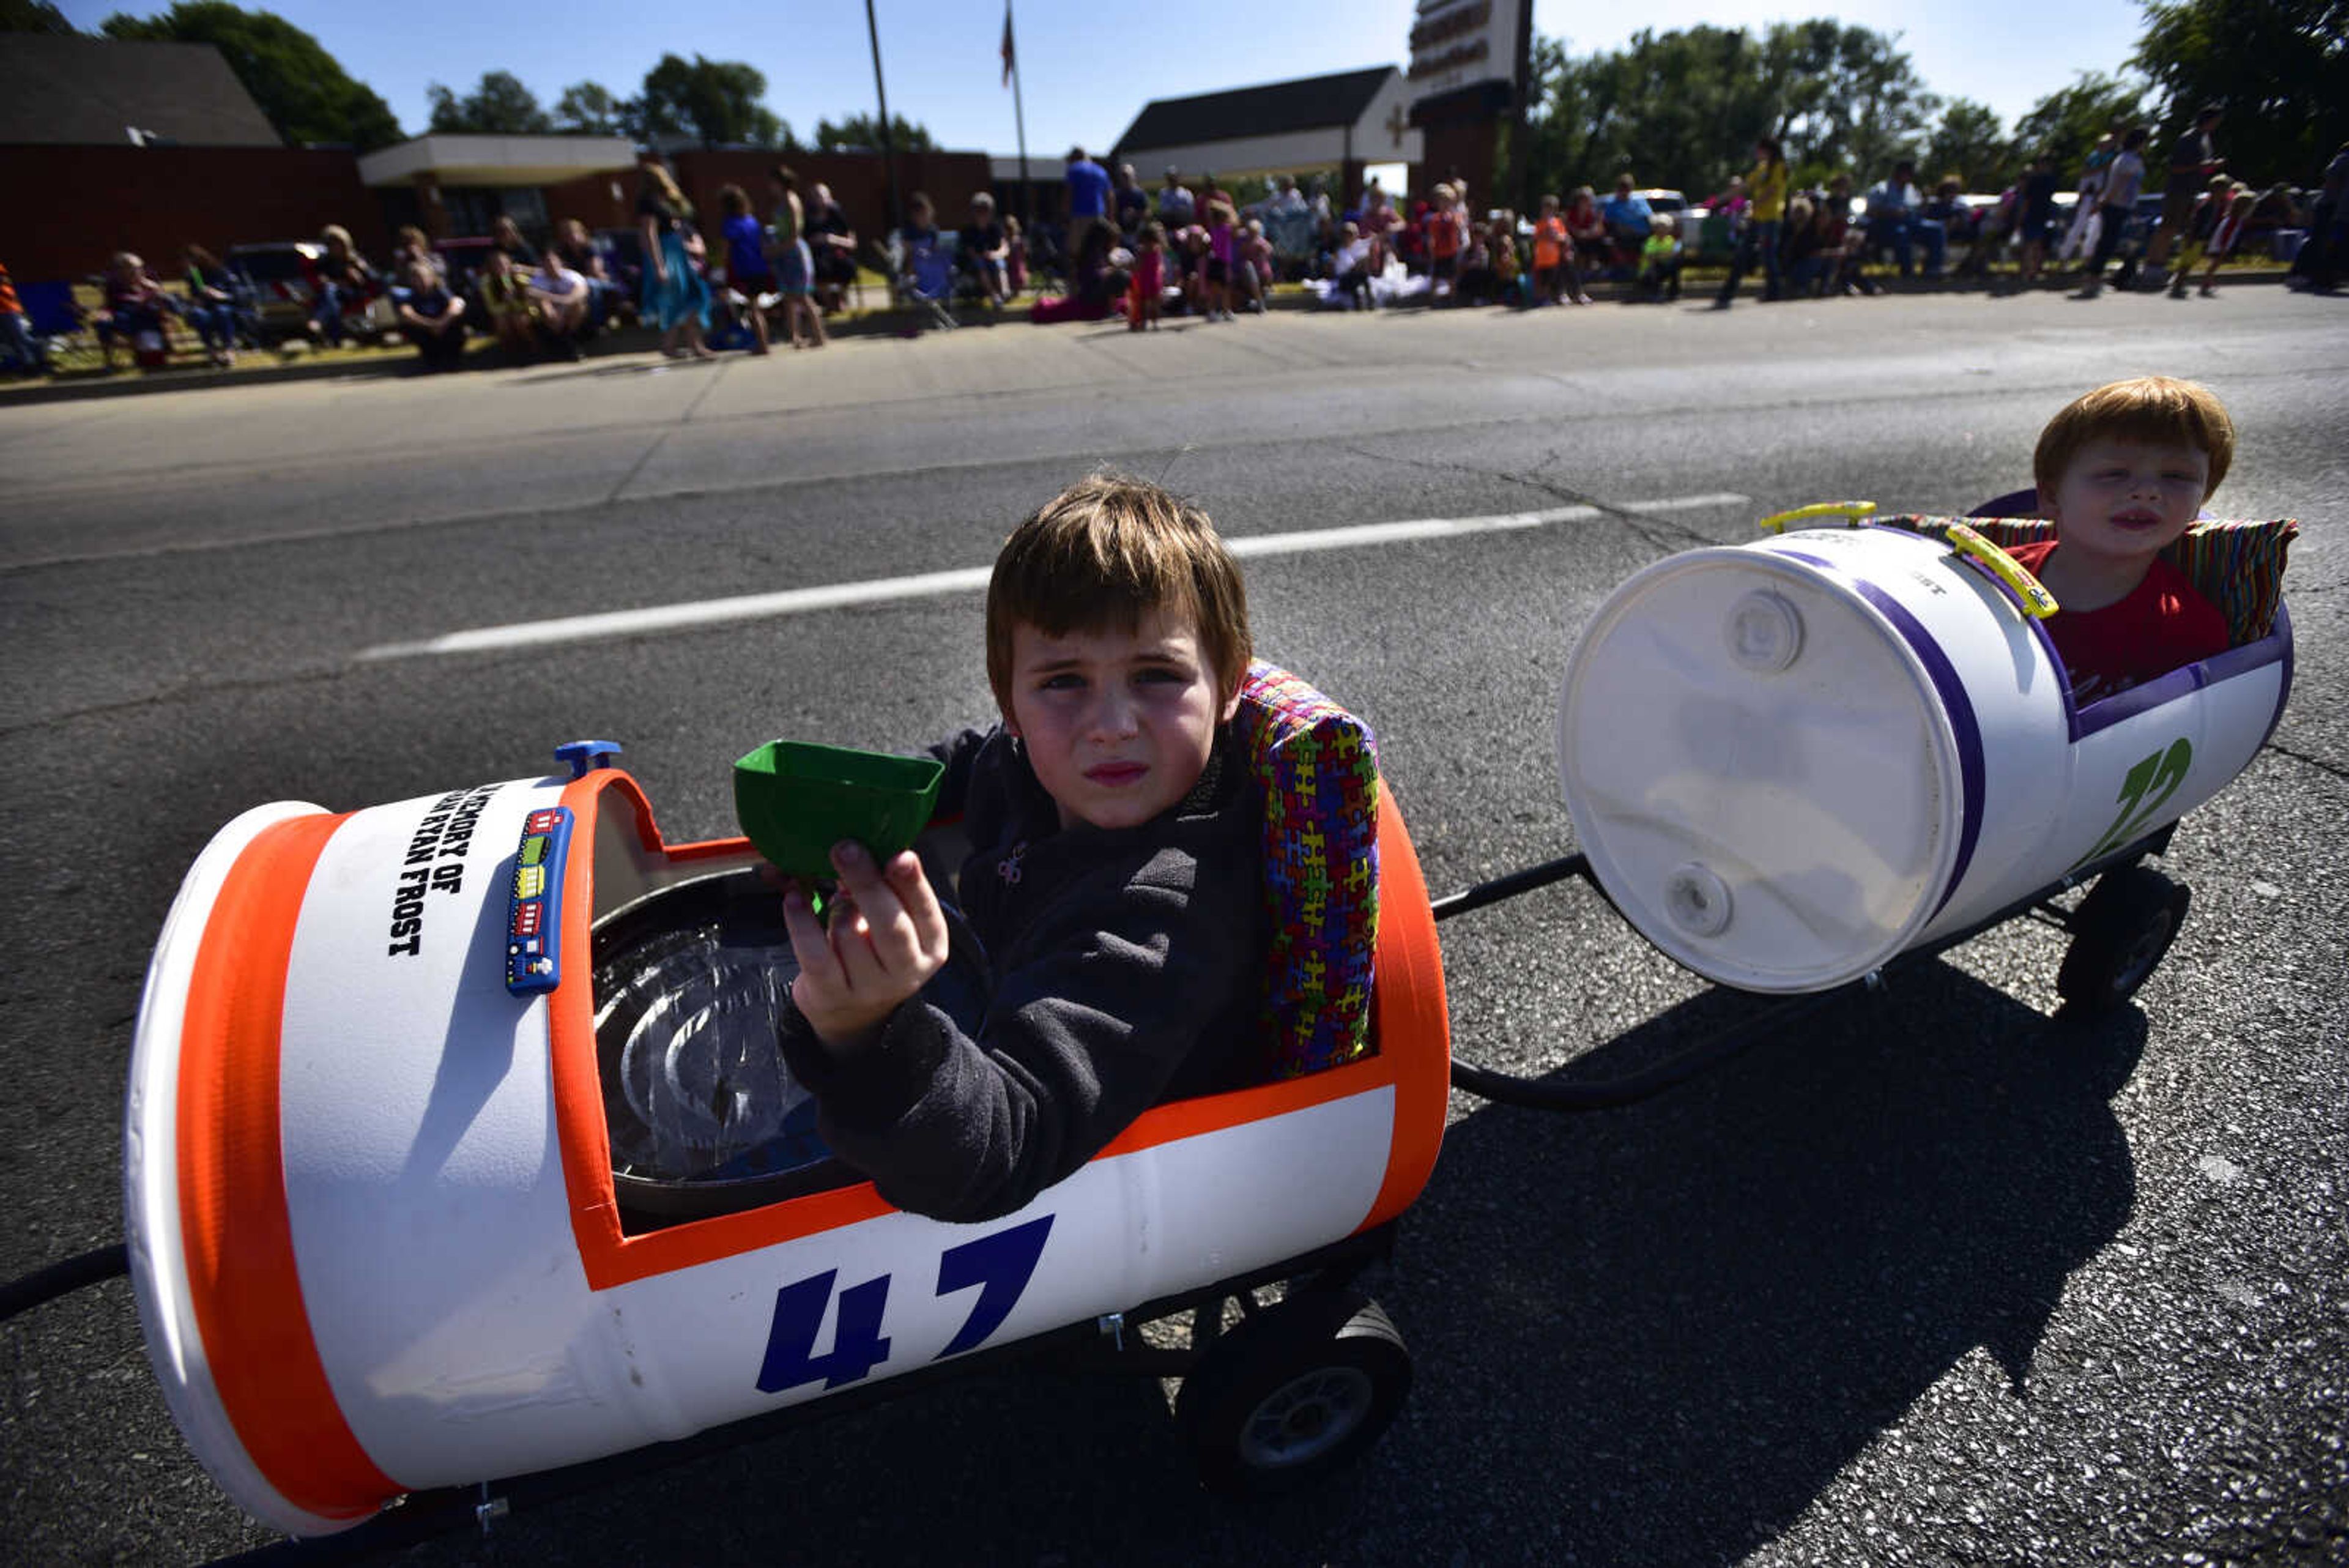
(34, 16)
(1970, 144)
(499, 106)
(2279, 68)
(1683, 109)
(589, 109)
(302, 89)
(717, 100)
(2066, 123)
(863, 131)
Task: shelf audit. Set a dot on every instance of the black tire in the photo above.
(2119, 933)
(1295, 1393)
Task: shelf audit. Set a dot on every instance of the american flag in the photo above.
(1009, 57)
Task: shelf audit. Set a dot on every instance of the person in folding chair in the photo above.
(925, 270)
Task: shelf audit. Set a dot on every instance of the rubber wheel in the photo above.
(2119, 933)
(1292, 1395)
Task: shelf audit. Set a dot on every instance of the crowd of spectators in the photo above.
(1191, 248)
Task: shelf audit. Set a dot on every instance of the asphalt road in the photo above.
(1932, 1281)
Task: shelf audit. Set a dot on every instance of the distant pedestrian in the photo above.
(2122, 181)
(1088, 187)
(748, 273)
(675, 290)
(794, 263)
(1133, 202)
(2080, 239)
(1553, 249)
(1765, 195)
(1149, 285)
(1175, 203)
(2035, 213)
(2193, 160)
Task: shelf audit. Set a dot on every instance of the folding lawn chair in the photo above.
(69, 340)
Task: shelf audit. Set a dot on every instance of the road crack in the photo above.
(1645, 525)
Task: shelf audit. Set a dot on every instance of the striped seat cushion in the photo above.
(2235, 562)
(1318, 767)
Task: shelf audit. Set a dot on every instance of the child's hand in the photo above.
(886, 938)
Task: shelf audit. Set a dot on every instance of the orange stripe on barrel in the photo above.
(243, 1279)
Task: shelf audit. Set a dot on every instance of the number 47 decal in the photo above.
(1000, 1266)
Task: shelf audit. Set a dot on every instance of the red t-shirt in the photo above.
(2165, 622)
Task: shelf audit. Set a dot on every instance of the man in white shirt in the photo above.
(2123, 179)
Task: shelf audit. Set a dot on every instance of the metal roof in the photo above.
(60, 91)
(1308, 103)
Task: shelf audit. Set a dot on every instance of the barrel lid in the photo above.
(1758, 767)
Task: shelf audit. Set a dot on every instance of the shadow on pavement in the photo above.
(1650, 1335)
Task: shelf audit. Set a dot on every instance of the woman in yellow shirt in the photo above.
(1765, 190)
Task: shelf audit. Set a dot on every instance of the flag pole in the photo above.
(1020, 123)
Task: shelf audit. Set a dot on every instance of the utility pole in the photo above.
(888, 153)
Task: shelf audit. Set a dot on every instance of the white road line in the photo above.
(929, 585)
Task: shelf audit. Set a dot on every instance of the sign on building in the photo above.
(1458, 44)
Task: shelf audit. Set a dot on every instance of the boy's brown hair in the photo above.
(2155, 411)
(1104, 553)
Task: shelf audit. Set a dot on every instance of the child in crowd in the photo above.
(505, 300)
(2122, 472)
(1255, 264)
(1444, 236)
(747, 272)
(1222, 261)
(1660, 259)
(1192, 254)
(558, 305)
(1149, 286)
(1508, 272)
(2230, 206)
(1114, 887)
(1552, 246)
(1015, 259)
(1352, 267)
(430, 318)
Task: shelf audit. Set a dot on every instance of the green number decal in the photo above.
(2145, 791)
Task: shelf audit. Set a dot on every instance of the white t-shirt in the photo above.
(556, 281)
(2123, 179)
(1357, 255)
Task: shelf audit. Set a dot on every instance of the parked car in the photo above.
(279, 273)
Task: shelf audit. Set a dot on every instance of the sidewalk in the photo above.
(640, 343)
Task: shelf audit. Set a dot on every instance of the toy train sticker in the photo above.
(535, 912)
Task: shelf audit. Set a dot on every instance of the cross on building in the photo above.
(1397, 124)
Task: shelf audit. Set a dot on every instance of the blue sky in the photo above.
(1085, 68)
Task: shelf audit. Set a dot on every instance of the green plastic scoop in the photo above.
(795, 800)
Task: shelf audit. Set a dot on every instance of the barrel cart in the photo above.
(450, 1186)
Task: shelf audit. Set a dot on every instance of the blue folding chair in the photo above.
(65, 332)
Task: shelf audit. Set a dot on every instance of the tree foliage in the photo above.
(34, 16)
(1970, 145)
(717, 100)
(2066, 123)
(301, 87)
(861, 132)
(1682, 109)
(2279, 68)
(499, 106)
(591, 108)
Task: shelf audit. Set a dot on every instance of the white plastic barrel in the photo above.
(373, 1229)
(1791, 759)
